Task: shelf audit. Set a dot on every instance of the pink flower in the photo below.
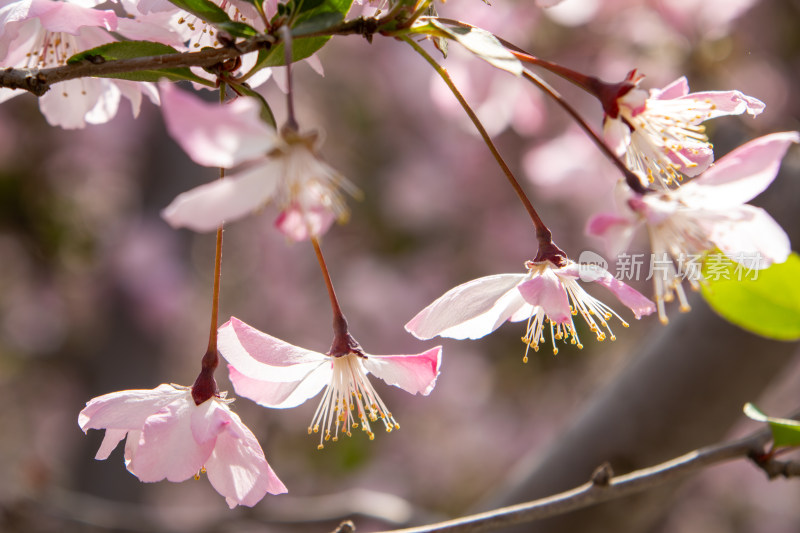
(661, 134)
(546, 293)
(168, 436)
(277, 374)
(45, 33)
(283, 169)
(705, 214)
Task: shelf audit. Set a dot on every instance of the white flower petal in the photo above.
(471, 310)
(205, 207)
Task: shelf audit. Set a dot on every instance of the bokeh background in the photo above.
(98, 294)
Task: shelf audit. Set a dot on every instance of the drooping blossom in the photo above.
(45, 33)
(547, 296)
(277, 374)
(283, 169)
(661, 135)
(170, 437)
(706, 214)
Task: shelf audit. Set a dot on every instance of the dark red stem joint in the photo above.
(205, 386)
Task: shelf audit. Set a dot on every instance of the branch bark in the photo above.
(603, 487)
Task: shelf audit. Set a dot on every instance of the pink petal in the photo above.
(128, 409)
(676, 89)
(615, 230)
(215, 135)
(205, 207)
(281, 395)
(167, 448)
(749, 233)
(237, 468)
(628, 296)
(546, 290)
(258, 355)
(65, 17)
(740, 175)
(413, 373)
(208, 420)
(110, 441)
(729, 103)
(469, 311)
(701, 156)
(301, 224)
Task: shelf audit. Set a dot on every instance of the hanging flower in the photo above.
(170, 437)
(274, 373)
(706, 214)
(661, 135)
(547, 296)
(45, 33)
(283, 169)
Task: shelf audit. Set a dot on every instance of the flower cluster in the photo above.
(689, 204)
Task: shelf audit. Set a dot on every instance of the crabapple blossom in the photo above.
(283, 168)
(547, 293)
(274, 373)
(661, 134)
(170, 437)
(45, 33)
(708, 213)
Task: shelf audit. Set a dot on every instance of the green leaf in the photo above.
(478, 41)
(785, 432)
(308, 5)
(134, 49)
(315, 23)
(324, 15)
(765, 302)
(210, 12)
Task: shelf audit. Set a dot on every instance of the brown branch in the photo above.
(39, 81)
(604, 487)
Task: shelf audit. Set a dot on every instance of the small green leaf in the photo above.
(212, 13)
(765, 302)
(478, 41)
(134, 49)
(316, 23)
(785, 432)
(308, 5)
(237, 29)
(323, 16)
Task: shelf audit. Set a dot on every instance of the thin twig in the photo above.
(602, 488)
(543, 233)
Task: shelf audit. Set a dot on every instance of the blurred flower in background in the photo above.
(97, 293)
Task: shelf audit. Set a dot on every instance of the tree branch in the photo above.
(39, 81)
(604, 486)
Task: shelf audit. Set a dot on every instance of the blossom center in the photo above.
(665, 135)
(594, 312)
(349, 401)
(50, 49)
